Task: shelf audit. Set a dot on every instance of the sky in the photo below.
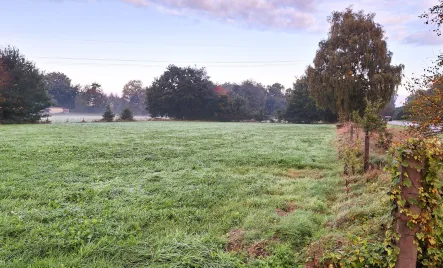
(113, 41)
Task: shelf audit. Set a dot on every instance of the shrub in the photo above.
(378, 161)
(126, 115)
(352, 159)
(108, 116)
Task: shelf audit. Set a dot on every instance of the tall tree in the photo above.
(22, 92)
(301, 107)
(61, 90)
(91, 99)
(389, 108)
(185, 93)
(353, 66)
(135, 95)
(255, 96)
(275, 99)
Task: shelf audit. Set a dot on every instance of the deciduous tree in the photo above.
(435, 16)
(185, 93)
(135, 95)
(426, 108)
(353, 65)
(426, 101)
(91, 99)
(61, 90)
(301, 107)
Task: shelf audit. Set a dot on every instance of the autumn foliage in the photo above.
(427, 107)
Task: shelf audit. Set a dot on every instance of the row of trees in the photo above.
(25, 92)
(91, 98)
(352, 67)
(180, 92)
(188, 93)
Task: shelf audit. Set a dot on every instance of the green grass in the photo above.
(162, 194)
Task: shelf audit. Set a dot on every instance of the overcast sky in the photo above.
(114, 41)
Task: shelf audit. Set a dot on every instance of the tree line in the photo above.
(180, 93)
(351, 68)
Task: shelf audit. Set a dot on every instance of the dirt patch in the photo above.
(258, 249)
(304, 173)
(236, 238)
(294, 173)
(288, 209)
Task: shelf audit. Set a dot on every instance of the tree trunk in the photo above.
(407, 257)
(366, 159)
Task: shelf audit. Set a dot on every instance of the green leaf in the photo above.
(407, 182)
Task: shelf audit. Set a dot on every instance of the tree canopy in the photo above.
(91, 99)
(135, 95)
(425, 104)
(181, 92)
(62, 92)
(188, 93)
(301, 107)
(23, 95)
(353, 65)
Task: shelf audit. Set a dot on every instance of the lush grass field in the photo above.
(163, 194)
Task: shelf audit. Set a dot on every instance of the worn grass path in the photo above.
(163, 194)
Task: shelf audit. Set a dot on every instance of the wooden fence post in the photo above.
(366, 157)
(407, 257)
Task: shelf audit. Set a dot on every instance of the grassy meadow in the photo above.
(164, 194)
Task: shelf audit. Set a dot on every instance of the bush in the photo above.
(378, 161)
(108, 116)
(384, 139)
(126, 115)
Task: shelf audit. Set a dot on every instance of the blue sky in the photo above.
(114, 41)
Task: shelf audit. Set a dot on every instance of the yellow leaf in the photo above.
(432, 241)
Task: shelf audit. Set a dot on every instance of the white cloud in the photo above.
(423, 38)
(282, 14)
(399, 17)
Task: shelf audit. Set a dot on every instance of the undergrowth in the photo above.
(355, 235)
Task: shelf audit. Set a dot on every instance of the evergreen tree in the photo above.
(108, 115)
(23, 95)
(126, 115)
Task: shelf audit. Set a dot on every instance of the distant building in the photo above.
(56, 110)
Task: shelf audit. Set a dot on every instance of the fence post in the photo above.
(411, 171)
(366, 157)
